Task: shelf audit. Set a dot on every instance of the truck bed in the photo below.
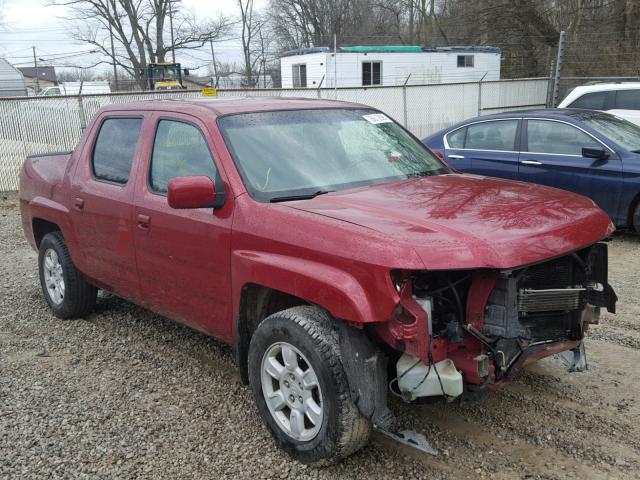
(43, 173)
(41, 179)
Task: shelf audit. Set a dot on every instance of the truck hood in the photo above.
(467, 221)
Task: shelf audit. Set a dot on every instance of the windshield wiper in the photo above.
(306, 196)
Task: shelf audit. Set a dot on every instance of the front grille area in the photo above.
(557, 273)
(544, 303)
(538, 303)
(550, 300)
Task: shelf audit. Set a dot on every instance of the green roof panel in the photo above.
(382, 48)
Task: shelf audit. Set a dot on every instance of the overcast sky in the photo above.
(30, 23)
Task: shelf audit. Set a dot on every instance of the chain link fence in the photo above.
(34, 125)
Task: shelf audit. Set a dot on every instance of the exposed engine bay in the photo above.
(517, 316)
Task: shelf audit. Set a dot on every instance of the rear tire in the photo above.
(64, 288)
(297, 377)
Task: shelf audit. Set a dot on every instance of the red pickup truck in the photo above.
(337, 254)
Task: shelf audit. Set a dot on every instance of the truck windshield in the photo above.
(295, 154)
(624, 133)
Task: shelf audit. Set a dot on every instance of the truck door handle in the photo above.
(456, 156)
(78, 203)
(530, 162)
(144, 221)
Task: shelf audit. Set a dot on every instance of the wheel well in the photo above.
(256, 304)
(632, 208)
(41, 228)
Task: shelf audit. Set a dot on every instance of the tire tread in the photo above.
(354, 430)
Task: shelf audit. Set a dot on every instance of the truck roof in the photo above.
(229, 105)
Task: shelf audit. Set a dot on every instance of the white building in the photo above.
(387, 65)
(12, 82)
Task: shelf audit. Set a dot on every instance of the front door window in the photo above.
(557, 138)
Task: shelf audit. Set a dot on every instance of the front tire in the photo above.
(65, 290)
(301, 390)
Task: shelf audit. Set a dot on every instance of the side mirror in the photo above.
(597, 153)
(193, 192)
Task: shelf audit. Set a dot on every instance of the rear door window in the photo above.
(497, 135)
(545, 136)
(627, 100)
(114, 149)
(590, 101)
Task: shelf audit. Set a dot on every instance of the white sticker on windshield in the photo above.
(376, 118)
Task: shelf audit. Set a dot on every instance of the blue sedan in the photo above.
(588, 152)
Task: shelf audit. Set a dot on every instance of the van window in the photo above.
(114, 149)
(590, 101)
(628, 100)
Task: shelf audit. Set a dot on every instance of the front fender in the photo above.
(334, 289)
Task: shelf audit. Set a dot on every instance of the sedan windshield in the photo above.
(624, 133)
(296, 154)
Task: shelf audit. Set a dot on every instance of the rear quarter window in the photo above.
(114, 149)
(456, 138)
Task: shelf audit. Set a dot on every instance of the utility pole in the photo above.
(213, 59)
(335, 65)
(113, 59)
(35, 63)
(173, 42)
(480, 93)
(552, 69)
(556, 79)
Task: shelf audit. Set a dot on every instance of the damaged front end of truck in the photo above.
(461, 331)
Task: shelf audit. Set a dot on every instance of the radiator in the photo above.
(550, 300)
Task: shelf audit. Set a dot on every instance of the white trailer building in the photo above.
(360, 66)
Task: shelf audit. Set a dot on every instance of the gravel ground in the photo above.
(125, 393)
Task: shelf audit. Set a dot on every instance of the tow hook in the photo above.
(410, 439)
(575, 360)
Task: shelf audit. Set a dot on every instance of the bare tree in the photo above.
(139, 28)
(603, 35)
(248, 27)
(2, 14)
(251, 24)
(77, 75)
